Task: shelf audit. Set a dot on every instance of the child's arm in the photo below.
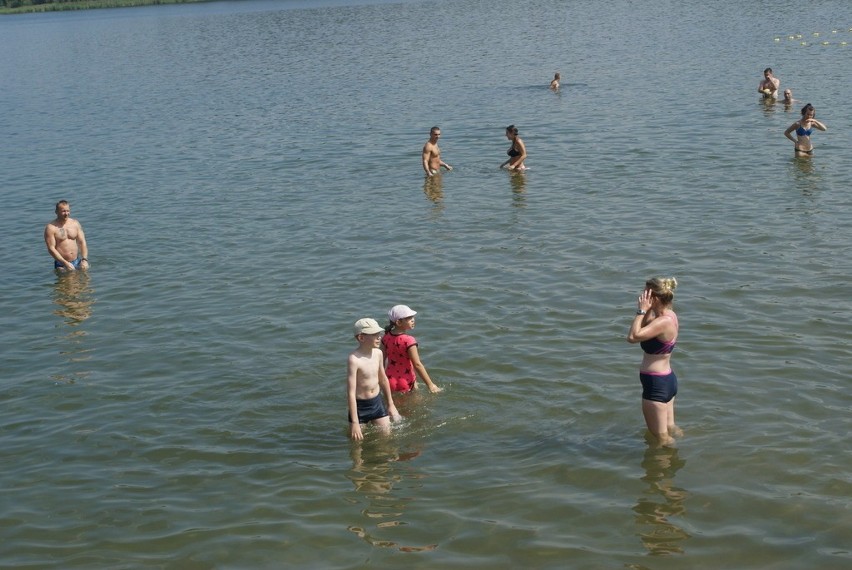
(384, 384)
(351, 385)
(414, 355)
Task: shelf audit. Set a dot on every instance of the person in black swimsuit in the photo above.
(517, 152)
(655, 327)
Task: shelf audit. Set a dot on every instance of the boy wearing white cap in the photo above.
(366, 380)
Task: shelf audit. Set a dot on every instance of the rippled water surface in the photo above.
(248, 177)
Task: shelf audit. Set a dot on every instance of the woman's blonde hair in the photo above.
(662, 288)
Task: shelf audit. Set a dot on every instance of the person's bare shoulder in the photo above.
(352, 359)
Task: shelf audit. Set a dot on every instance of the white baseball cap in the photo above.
(398, 312)
(367, 326)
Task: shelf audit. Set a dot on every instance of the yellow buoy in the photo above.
(833, 31)
(804, 43)
(816, 34)
(791, 37)
(843, 43)
(825, 43)
(777, 39)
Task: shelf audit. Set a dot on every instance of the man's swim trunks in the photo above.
(60, 265)
(658, 387)
(369, 410)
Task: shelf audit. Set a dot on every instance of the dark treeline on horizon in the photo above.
(11, 6)
(20, 3)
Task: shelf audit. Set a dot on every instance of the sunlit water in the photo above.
(248, 177)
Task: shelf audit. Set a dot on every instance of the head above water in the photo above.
(399, 312)
(808, 109)
(366, 326)
(512, 130)
(662, 288)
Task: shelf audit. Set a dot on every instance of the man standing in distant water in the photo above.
(769, 85)
(65, 240)
(432, 162)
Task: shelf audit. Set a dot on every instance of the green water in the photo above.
(248, 177)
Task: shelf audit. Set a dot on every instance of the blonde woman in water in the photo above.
(655, 328)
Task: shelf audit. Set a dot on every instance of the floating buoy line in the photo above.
(836, 34)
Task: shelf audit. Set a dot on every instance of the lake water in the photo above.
(248, 177)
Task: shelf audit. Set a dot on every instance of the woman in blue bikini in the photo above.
(655, 328)
(803, 128)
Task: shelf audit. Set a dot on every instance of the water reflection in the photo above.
(803, 164)
(375, 473)
(661, 500)
(803, 172)
(73, 297)
(433, 187)
(518, 181)
(768, 106)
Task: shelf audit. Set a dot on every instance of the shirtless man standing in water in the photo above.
(769, 85)
(65, 240)
(432, 162)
